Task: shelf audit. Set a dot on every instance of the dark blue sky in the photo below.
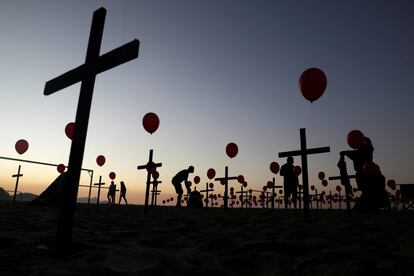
(215, 72)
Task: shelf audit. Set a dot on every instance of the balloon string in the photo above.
(125, 19)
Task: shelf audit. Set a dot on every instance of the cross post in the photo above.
(345, 181)
(241, 197)
(18, 175)
(150, 167)
(86, 74)
(155, 192)
(303, 153)
(206, 191)
(99, 184)
(226, 179)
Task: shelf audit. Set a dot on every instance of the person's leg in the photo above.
(294, 198)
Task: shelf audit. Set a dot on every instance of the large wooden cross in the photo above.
(303, 153)
(150, 167)
(226, 179)
(18, 175)
(274, 193)
(86, 74)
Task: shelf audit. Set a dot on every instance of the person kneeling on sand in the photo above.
(176, 181)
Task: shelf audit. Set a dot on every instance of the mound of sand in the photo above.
(121, 240)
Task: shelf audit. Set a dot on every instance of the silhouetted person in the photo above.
(290, 181)
(372, 186)
(176, 181)
(122, 193)
(111, 193)
(360, 157)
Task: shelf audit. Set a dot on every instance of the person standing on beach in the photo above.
(122, 193)
(111, 193)
(290, 181)
(176, 181)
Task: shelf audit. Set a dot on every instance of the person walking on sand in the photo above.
(122, 193)
(111, 193)
(176, 181)
(290, 181)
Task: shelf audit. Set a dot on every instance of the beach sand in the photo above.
(169, 241)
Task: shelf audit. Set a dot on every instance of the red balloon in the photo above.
(21, 146)
(100, 160)
(312, 84)
(61, 168)
(112, 175)
(163, 202)
(321, 175)
(155, 175)
(188, 184)
(211, 173)
(240, 179)
(223, 182)
(269, 184)
(298, 170)
(371, 169)
(69, 129)
(265, 188)
(312, 187)
(355, 139)
(196, 179)
(211, 185)
(325, 183)
(150, 122)
(250, 191)
(245, 184)
(280, 191)
(274, 167)
(338, 188)
(232, 150)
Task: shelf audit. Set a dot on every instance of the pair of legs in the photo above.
(290, 192)
(179, 191)
(122, 196)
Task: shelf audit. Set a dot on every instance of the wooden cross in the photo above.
(18, 175)
(274, 193)
(150, 167)
(316, 197)
(99, 184)
(345, 181)
(243, 195)
(86, 74)
(304, 152)
(226, 179)
(155, 192)
(206, 191)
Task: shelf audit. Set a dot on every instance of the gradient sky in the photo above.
(215, 72)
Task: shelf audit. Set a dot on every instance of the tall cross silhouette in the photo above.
(303, 153)
(86, 74)
(18, 175)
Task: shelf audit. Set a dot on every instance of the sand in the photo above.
(170, 241)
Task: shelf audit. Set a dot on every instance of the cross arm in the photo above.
(107, 61)
(339, 177)
(308, 151)
(223, 178)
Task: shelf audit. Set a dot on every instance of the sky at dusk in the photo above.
(215, 72)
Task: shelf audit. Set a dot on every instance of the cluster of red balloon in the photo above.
(321, 176)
